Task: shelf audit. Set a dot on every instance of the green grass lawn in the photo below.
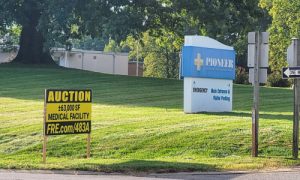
(138, 124)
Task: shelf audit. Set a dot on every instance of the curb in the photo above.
(75, 172)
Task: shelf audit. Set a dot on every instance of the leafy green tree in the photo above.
(285, 25)
(89, 43)
(10, 38)
(45, 22)
(159, 54)
(225, 20)
(112, 46)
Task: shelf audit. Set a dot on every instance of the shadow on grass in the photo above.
(29, 82)
(261, 115)
(133, 166)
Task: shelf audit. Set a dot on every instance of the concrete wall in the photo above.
(110, 63)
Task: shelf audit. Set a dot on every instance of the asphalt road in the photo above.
(291, 174)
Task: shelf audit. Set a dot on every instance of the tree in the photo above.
(27, 14)
(225, 20)
(163, 54)
(112, 46)
(89, 43)
(160, 54)
(45, 22)
(285, 25)
(10, 37)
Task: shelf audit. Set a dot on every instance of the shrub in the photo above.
(241, 76)
(275, 80)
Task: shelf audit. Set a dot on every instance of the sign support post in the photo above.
(296, 119)
(293, 71)
(88, 147)
(44, 133)
(44, 149)
(258, 49)
(255, 110)
(296, 102)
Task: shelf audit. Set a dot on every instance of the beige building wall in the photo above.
(110, 63)
(98, 63)
(75, 61)
(121, 64)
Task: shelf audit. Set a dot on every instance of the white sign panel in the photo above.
(264, 50)
(251, 55)
(207, 95)
(290, 55)
(262, 75)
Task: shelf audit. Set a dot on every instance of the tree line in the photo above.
(151, 30)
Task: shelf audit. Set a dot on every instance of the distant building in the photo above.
(96, 61)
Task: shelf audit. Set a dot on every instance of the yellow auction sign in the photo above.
(67, 112)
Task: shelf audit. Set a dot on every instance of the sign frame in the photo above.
(68, 96)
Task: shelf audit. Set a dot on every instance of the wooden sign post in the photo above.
(293, 71)
(258, 49)
(67, 112)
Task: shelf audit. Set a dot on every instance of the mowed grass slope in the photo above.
(138, 124)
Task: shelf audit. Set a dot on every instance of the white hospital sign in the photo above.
(208, 68)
